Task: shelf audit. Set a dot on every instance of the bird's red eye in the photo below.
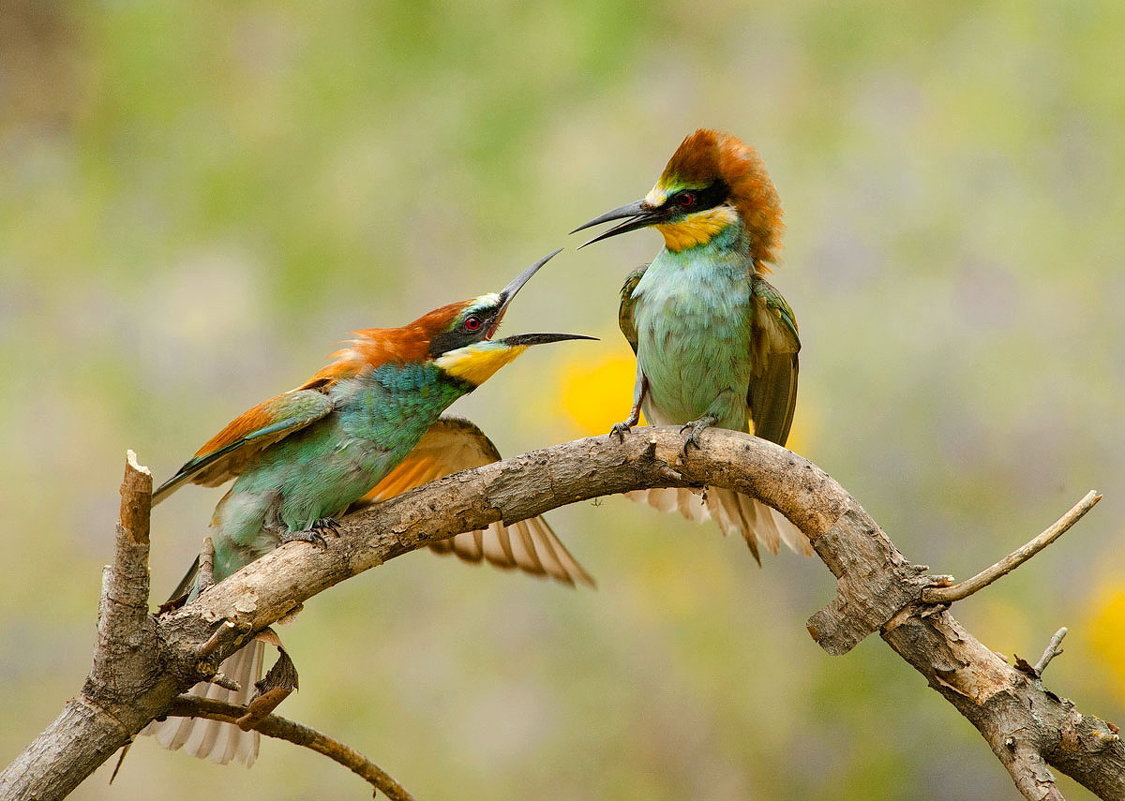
(686, 199)
(473, 324)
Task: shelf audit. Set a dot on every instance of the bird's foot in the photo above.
(619, 430)
(314, 533)
(328, 525)
(307, 535)
(694, 429)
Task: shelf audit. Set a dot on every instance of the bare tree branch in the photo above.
(298, 734)
(123, 619)
(127, 663)
(963, 589)
(878, 589)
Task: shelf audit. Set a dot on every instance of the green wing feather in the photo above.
(774, 347)
(625, 312)
(246, 436)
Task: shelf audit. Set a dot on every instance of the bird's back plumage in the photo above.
(238, 443)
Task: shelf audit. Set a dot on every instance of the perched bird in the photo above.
(364, 428)
(716, 344)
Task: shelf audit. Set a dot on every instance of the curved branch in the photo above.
(878, 589)
(298, 734)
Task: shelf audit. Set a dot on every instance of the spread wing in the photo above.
(453, 444)
(229, 451)
(625, 312)
(774, 346)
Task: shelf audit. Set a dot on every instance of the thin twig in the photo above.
(298, 734)
(226, 682)
(963, 589)
(1051, 652)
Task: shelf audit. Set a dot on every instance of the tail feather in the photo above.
(211, 739)
(557, 561)
(529, 545)
(754, 517)
(792, 536)
(735, 513)
(523, 551)
(688, 502)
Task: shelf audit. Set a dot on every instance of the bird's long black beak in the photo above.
(524, 340)
(509, 292)
(637, 215)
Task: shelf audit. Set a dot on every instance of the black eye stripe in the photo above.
(463, 333)
(706, 198)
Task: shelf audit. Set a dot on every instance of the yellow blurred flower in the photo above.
(596, 389)
(1106, 629)
(805, 426)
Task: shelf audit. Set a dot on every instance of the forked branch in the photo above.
(878, 590)
(1052, 650)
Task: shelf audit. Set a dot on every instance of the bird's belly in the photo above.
(302, 480)
(696, 360)
(291, 494)
(326, 485)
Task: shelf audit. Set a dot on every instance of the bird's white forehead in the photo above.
(489, 301)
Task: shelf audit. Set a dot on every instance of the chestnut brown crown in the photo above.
(706, 158)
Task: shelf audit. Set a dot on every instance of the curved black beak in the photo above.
(523, 340)
(637, 215)
(514, 286)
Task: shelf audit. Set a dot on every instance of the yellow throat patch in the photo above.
(478, 362)
(696, 229)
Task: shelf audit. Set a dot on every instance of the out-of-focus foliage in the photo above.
(197, 199)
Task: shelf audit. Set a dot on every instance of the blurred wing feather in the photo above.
(453, 444)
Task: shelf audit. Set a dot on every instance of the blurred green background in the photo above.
(198, 199)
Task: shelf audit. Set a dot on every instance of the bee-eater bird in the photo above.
(364, 428)
(716, 344)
